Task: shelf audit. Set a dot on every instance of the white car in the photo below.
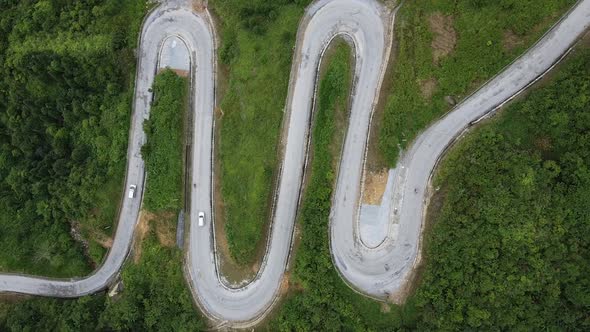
(201, 219)
(132, 190)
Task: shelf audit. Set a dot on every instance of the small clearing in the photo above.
(164, 226)
(428, 87)
(374, 187)
(510, 40)
(104, 241)
(444, 36)
(140, 232)
(543, 143)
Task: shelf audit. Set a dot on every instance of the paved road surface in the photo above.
(378, 272)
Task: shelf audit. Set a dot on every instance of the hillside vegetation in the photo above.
(154, 296)
(164, 148)
(66, 83)
(510, 245)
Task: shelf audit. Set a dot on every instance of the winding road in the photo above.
(380, 272)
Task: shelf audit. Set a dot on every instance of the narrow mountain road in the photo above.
(380, 272)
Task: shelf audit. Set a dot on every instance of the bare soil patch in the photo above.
(140, 232)
(166, 230)
(179, 72)
(199, 5)
(543, 143)
(445, 36)
(102, 239)
(374, 187)
(510, 40)
(164, 227)
(428, 87)
(285, 283)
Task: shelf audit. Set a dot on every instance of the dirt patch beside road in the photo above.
(179, 72)
(374, 188)
(510, 40)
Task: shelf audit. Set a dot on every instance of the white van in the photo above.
(132, 190)
(201, 219)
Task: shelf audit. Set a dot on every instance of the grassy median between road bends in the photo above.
(163, 151)
(257, 40)
(447, 49)
(510, 245)
(318, 299)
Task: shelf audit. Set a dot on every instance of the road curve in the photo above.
(378, 272)
(366, 25)
(385, 271)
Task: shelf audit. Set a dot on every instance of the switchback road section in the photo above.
(381, 272)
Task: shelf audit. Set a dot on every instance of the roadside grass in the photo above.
(257, 40)
(446, 50)
(163, 151)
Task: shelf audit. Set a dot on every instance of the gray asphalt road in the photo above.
(378, 272)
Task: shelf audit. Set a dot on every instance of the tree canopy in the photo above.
(66, 79)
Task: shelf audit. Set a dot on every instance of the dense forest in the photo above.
(66, 79)
(154, 296)
(510, 245)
